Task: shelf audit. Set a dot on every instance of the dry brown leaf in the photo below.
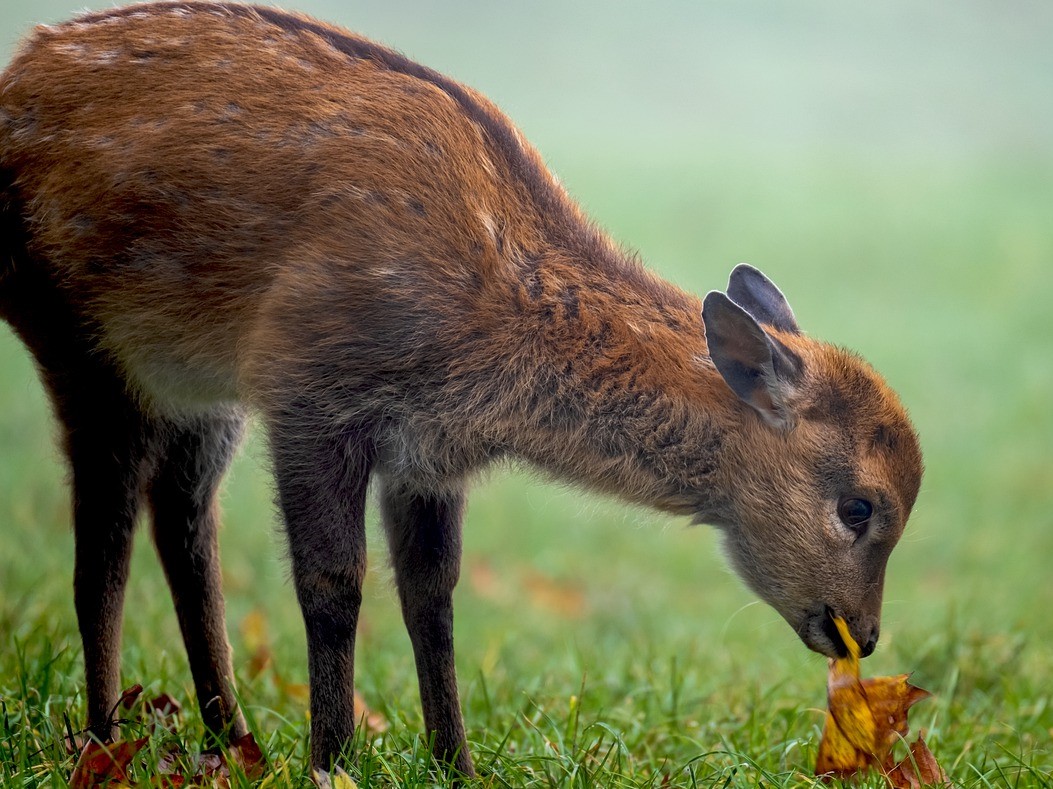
(163, 711)
(162, 706)
(248, 756)
(338, 779)
(374, 722)
(100, 763)
(918, 769)
(212, 764)
(485, 581)
(254, 633)
(213, 768)
(559, 598)
(866, 717)
(170, 759)
(130, 696)
(294, 690)
(170, 782)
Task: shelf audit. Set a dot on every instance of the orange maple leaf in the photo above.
(101, 763)
(866, 718)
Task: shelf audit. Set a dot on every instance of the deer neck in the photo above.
(621, 396)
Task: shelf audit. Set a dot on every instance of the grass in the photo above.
(604, 646)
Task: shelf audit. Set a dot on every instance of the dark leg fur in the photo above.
(106, 440)
(115, 454)
(322, 482)
(424, 534)
(192, 457)
(104, 443)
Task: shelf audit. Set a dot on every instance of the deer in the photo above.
(210, 209)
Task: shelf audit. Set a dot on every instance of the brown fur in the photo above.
(206, 205)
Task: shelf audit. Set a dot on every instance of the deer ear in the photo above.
(757, 294)
(760, 370)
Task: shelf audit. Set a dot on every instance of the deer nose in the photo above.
(868, 648)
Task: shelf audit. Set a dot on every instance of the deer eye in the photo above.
(855, 514)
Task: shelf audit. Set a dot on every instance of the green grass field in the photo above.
(891, 168)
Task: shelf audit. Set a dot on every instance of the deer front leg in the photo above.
(322, 483)
(424, 535)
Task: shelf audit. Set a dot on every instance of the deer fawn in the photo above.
(207, 207)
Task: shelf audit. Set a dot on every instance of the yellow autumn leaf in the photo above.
(338, 779)
(866, 718)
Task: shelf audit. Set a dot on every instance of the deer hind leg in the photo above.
(106, 440)
(105, 437)
(322, 473)
(424, 535)
(191, 457)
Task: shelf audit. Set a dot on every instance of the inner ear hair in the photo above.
(759, 371)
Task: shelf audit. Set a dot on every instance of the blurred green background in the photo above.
(889, 165)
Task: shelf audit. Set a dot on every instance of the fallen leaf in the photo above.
(837, 755)
(130, 696)
(248, 756)
(337, 780)
(918, 769)
(162, 706)
(889, 699)
(169, 760)
(212, 763)
(374, 722)
(559, 598)
(866, 718)
(169, 782)
(100, 763)
(162, 711)
(294, 690)
(244, 752)
(486, 583)
(254, 633)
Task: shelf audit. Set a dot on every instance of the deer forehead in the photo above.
(865, 428)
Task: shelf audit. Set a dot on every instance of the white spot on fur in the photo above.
(488, 225)
(105, 57)
(356, 192)
(71, 49)
(79, 26)
(84, 52)
(484, 160)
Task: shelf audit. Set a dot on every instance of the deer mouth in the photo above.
(819, 634)
(831, 632)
